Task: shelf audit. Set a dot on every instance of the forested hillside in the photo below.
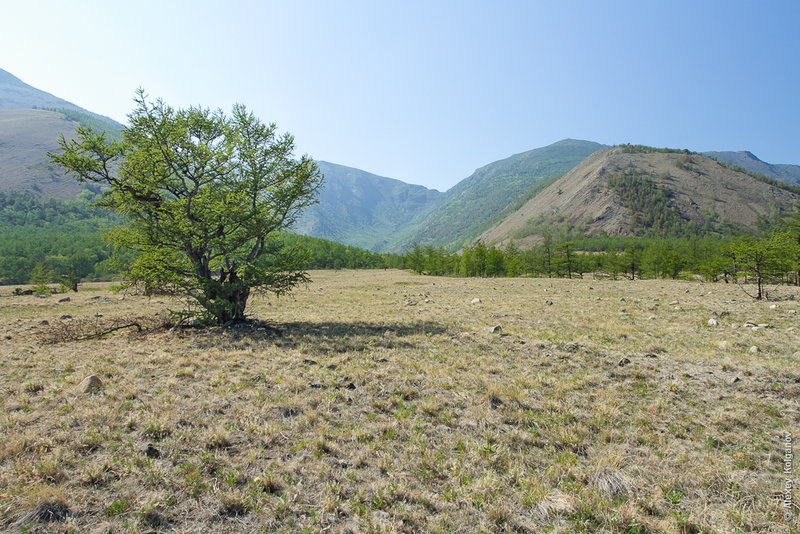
(470, 207)
(65, 237)
(365, 210)
(641, 191)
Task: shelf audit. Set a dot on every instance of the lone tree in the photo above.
(205, 197)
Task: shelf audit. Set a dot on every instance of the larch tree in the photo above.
(206, 197)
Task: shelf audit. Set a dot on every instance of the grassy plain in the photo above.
(379, 401)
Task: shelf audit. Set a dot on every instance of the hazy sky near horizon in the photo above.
(428, 91)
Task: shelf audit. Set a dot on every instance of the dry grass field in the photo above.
(380, 401)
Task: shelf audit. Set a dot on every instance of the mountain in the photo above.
(626, 191)
(364, 210)
(27, 134)
(789, 174)
(468, 208)
(16, 94)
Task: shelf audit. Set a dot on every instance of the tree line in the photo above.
(65, 237)
(774, 258)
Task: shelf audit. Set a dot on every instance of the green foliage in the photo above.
(649, 205)
(469, 207)
(205, 197)
(68, 282)
(40, 277)
(64, 235)
(642, 149)
(90, 120)
(777, 257)
(766, 258)
(67, 237)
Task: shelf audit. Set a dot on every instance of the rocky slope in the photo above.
(686, 187)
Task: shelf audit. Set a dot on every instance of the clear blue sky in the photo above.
(427, 91)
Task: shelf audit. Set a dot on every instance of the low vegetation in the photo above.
(774, 259)
(65, 236)
(383, 401)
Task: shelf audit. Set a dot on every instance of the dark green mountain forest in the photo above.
(65, 236)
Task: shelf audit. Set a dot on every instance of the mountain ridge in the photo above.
(786, 173)
(470, 204)
(356, 207)
(616, 189)
(362, 209)
(16, 94)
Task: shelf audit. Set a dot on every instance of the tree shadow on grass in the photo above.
(328, 336)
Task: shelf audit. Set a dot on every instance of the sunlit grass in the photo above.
(344, 407)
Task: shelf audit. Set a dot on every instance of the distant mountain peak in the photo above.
(16, 94)
(8, 78)
(789, 174)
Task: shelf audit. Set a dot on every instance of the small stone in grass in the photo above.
(90, 383)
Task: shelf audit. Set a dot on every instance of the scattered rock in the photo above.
(651, 318)
(712, 322)
(150, 451)
(548, 303)
(623, 362)
(309, 362)
(651, 355)
(65, 317)
(792, 312)
(90, 384)
(796, 355)
(65, 299)
(476, 301)
(94, 298)
(673, 303)
(494, 329)
(735, 379)
(754, 349)
(45, 323)
(411, 302)
(572, 347)
(773, 307)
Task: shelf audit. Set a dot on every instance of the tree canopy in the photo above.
(205, 197)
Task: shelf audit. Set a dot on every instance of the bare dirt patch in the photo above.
(382, 401)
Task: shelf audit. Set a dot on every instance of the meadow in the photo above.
(382, 401)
